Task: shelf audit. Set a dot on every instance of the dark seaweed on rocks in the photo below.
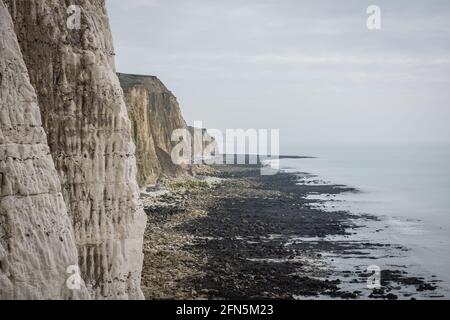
(244, 260)
(237, 247)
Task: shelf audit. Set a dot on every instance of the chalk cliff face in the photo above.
(155, 114)
(37, 242)
(89, 136)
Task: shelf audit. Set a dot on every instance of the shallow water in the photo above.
(407, 187)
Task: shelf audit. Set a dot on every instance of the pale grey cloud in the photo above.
(299, 66)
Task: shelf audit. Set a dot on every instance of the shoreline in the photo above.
(234, 234)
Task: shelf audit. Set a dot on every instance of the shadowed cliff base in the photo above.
(237, 235)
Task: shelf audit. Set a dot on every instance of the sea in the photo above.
(407, 187)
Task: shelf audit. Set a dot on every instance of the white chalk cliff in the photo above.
(37, 242)
(86, 121)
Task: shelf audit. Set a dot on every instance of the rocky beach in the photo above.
(234, 234)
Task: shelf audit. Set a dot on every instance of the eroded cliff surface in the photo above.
(155, 114)
(37, 242)
(89, 136)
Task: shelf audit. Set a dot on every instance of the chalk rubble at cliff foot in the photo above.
(155, 114)
(37, 243)
(84, 115)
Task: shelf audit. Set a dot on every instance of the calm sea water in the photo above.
(408, 187)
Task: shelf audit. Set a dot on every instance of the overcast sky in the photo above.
(310, 68)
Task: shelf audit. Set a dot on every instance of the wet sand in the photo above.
(235, 234)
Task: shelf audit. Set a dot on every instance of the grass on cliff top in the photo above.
(130, 80)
